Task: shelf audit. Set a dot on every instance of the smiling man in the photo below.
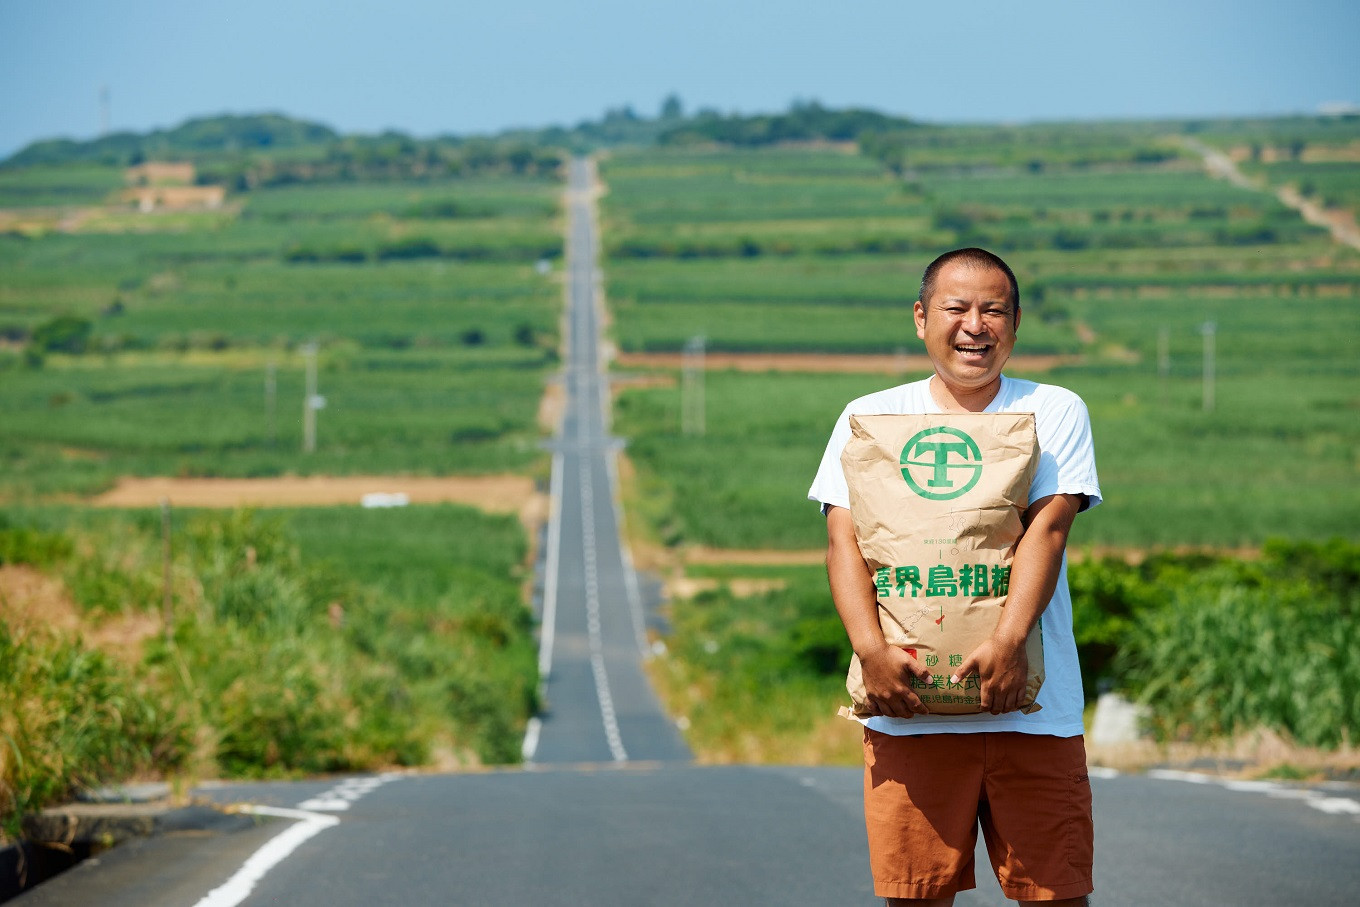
(931, 780)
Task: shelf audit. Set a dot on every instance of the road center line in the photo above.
(593, 624)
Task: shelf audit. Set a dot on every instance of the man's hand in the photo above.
(1001, 663)
(887, 672)
(1003, 668)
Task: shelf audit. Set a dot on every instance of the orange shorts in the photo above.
(924, 796)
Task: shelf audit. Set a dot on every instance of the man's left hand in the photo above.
(1003, 669)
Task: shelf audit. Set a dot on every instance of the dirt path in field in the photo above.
(495, 493)
(822, 362)
(1341, 223)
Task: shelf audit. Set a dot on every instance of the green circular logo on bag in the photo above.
(941, 463)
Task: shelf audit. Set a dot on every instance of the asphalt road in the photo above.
(667, 834)
(600, 707)
(609, 810)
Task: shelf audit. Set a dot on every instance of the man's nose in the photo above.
(972, 321)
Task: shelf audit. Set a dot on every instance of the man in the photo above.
(930, 779)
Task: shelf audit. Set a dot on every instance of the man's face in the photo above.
(968, 325)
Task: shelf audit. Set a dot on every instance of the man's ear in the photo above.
(1016, 326)
(918, 312)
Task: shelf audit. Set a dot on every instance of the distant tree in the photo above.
(672, 108)
(62, 334)
(621, 114)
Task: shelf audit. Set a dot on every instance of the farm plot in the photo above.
(181, 353)
(173, 347)
(1123, 261)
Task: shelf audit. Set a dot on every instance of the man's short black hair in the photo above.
(979, 258)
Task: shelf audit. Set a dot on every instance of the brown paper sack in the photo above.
(937, 502)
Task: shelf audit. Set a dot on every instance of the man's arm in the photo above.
(887, 669)
(1001, 662)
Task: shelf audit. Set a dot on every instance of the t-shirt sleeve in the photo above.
(1067, 456)
(829, 487)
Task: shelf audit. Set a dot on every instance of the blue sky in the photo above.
(447, 66)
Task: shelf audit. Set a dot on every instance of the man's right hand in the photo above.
(887, 672)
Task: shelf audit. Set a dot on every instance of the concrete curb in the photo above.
(107, 824)
(61, 837)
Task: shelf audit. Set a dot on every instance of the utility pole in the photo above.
(1208, 329)
(312, 401)
(167, 599)
(1164, 361)
(692, 409)
(271, 391)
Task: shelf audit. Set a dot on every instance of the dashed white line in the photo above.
(593, 626)
(1335, 806)
(1166, 774)
(531, 732)
(339, 798)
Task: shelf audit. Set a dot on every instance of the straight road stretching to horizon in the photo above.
(608, 808)
(599, 705)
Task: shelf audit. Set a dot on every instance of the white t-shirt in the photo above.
(1067, 465)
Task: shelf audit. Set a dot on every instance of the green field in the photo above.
(172, 344)
(1115, 251)
(435, 321)
(428, 275)
(813, 250)
(1125, 250)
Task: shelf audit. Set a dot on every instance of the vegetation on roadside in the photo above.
(1215, 646)
(299, 642)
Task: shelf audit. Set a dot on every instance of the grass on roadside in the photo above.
(336, 639)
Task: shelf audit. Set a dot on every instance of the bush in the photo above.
(1216, 646)
(62, 334)
(71, 718)
(277, 666)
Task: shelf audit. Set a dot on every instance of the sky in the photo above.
(432, 67)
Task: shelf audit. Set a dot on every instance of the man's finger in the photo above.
(893, 708)
(921, 672)
(969, 666)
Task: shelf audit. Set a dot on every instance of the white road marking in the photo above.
(237, 888)
(548, 630)
(339, 798)
(630, 582)
(1166, 774)
(531, 732)
(311, 821)
(1335, 806)
(593, 625)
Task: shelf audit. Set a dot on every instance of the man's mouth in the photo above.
(972, 349)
